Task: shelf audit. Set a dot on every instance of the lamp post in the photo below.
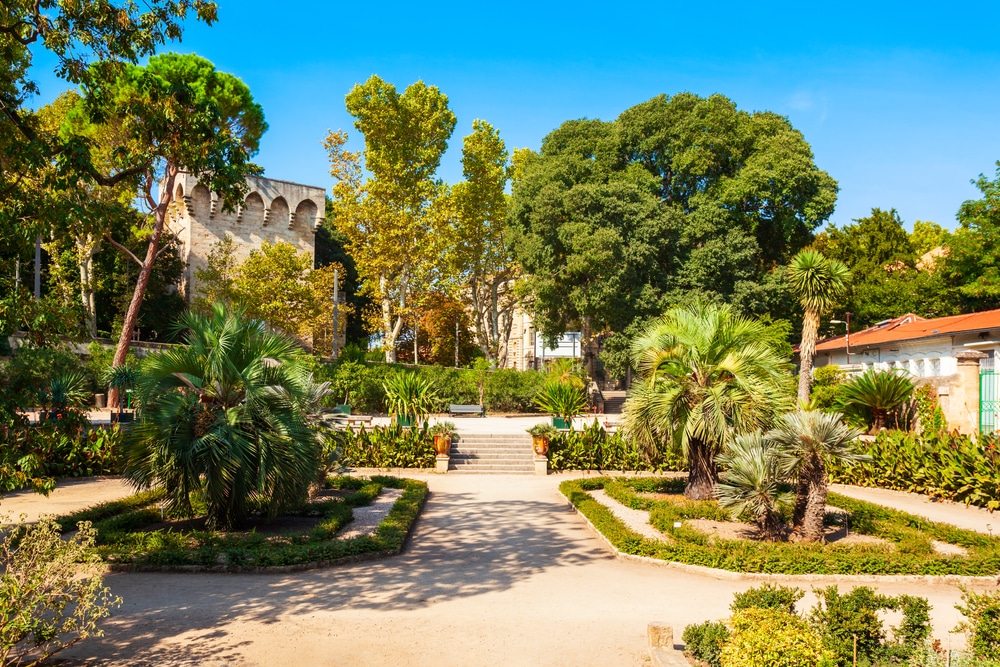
(847, 337)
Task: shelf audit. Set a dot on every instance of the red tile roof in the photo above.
(913, 327)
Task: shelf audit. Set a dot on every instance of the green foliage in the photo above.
(971, 267)
(126, 539)
(705, 375)
(384, 447)
(561, 399)
(704, 641)
(679, 197)
(771, 638)
(593, 448)
(753, 482)
(28, 372)
(696, 548)
(929, 412)
(227, 413)
(51, 592)
(825, 387)
(409, 396)
(875, 393)
(951, 466)
(843, 619)
(360, 384)
(768, 596)
(982, 623)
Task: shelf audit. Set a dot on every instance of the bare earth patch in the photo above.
(946, 549)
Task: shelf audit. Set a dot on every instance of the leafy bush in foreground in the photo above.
(384, 447)
(51, 595)
(593, 448)
(704, 641)
(771, 638)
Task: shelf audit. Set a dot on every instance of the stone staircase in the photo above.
(497, 453)
(613, 402)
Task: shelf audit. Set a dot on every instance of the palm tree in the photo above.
(879, 392)
(811, 439)
(819, 282)
(226, 414)
(753, 482)
(706, 375)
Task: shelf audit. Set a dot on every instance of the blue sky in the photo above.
(899, 101)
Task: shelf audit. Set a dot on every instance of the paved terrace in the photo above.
(499, 570)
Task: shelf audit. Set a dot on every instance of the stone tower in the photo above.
(272, 211)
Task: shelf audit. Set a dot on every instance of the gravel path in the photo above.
(367, 518)
(637, 520)
(499, 570)
(945, 511)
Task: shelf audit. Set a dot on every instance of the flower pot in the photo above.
(342, 409)
(442, 444)
(561, 422)
(540, 444)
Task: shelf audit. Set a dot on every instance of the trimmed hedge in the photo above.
(383, 447)
(123, 542)
(504, 390)
(911, 535)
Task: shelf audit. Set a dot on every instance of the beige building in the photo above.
(272, 211)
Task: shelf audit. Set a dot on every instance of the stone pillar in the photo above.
(541, 465)
(964, 401)
(441, 463)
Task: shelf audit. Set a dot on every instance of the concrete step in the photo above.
(491, 468)
(490, 450)
(492, 455)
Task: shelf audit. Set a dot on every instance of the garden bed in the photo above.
(133, 535)
(906, 543)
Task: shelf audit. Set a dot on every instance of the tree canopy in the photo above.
(680, 198)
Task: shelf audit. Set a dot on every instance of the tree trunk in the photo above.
(86, 251)
(812, 526)
(132, 314)
(702, 474)
(807, 350)
(801, 498)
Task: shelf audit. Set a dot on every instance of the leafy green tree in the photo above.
(226, 414)
(812, 440)
(76, 34)
(331, 248)
(972, 264)
(679, 199)
(927, 236)
(480, 257)
(818, 281)
(391, 217)
(178, 112)
(706, 376)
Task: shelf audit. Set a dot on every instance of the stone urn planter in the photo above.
(443, 433)
(540, 436)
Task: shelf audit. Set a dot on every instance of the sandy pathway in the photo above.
(68, 496)
(500, 570)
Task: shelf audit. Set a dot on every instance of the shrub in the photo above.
(51, 594)
(561, 399)
(951, 466)
(704, 641)
(384, 447)
(771, 638)
(593, 448)
(768, 596)
(29, 371)
(982, 623)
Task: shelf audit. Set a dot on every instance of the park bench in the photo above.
(466, 410)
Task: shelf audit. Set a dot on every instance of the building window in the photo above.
(918, 369)
(935, 367)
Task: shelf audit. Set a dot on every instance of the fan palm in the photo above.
(879, 392)
(706, 375)
(753, 482)
(227, 414)
(812, 439)
(819, 282)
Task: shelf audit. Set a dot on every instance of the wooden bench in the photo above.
(466, 410)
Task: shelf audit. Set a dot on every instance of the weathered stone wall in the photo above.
(272, 211)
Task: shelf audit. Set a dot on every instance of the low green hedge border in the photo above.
(124, 546)
(912, 555)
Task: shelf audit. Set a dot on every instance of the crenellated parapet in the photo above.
(272, 211)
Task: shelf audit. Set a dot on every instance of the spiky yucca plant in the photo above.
(879, 392)
(227, 414)
(754, 482)
(706, 375)
(811, 440)
(561, 399)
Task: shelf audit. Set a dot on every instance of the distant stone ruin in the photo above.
(272, 211)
